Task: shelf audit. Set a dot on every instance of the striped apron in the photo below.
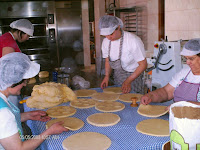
(120, 75)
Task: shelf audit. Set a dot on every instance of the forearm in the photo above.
(35, 141)
(107, 68)
(139, 70)
(24, 116)
(159, 95)
(31, 143)
(7, 50)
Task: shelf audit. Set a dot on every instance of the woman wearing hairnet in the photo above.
(15, 68)
(20, 31)
(185, 85)
(124, 53)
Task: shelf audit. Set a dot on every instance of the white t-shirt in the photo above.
(132, 51)
(8, 125)
(180, 76)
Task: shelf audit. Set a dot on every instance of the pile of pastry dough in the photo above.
(50, 94)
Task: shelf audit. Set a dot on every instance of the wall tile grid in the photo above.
(149, 22)
(182, 19)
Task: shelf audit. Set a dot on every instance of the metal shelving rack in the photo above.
(130, 17)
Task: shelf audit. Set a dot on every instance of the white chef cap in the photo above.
(15, 67)
(23, 25)
(108, 24)
(192, 47)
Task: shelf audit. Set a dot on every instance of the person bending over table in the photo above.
(20, 31)
(185, 85)
(124, 53)
(15, 68)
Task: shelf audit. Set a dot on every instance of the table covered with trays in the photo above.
(123, 135)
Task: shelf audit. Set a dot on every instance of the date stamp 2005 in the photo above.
(44, 137)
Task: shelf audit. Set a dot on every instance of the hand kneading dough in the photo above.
(43, 74)
(152, 110)
(85, 93)
(69, 123)
(127, 97)
(61, 111)
(108, 106)
(83, 103)
(154, 127)
(87, 141)
(103, 119)
(117, 90)
(105, 96)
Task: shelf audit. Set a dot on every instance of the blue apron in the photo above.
(15, 110)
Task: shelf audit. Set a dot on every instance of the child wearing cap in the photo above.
(20, 31)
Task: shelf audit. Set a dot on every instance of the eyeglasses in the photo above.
(190, 58)
(23, 81)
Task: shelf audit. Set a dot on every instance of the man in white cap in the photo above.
(15, 68)
(124, 53)
(184, 85)
(20, 31)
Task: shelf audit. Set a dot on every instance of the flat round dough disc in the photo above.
(108, 106)
(152, 110)
(117, 90)
(85, 93)
(154, 127)
(61, 111)
(103, 119)
(105, 96)
(87, 141)
(127, 97)
(69, 123)
(83, 103)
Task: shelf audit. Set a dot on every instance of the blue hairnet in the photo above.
(108, 24)
(13, 66)
(191, 48)
(193, 45)
(109, 21)
(23, 25)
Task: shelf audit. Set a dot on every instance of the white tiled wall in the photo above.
(182, 19)
(150, 14)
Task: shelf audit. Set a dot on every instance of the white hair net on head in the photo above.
(14, 67)
(23, 25)
(192, 47)
(108, 24)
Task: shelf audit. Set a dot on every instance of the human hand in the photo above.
(126, 87)
(38, 115)
(57, 128)
(104, 83)
(168, 107)
(145, 100)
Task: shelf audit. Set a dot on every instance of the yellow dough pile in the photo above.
(50, 94)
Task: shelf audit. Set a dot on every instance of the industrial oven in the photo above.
(57, 26)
